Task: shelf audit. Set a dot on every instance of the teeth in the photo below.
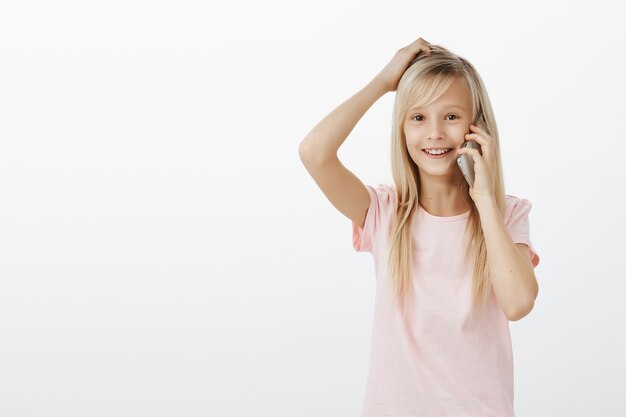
(437, 152)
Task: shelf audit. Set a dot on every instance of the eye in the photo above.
(419, 115)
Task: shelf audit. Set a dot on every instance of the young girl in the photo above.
(453, 263)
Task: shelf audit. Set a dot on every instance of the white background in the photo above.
(163, 252)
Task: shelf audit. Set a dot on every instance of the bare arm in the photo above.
(318, 150)
(513, 275)
(323, 141)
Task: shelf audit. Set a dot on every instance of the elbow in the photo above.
(307, 154)
(303, 150)
(312, 156)
(520, 312)
(525, 305)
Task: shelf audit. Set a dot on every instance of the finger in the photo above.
(472, 152)
(485, 145)
(423, 49)
(485, 142)
(416, 46)
(478, 128)
(476, 137)
(422, 45)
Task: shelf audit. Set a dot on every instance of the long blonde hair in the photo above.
(425, 80)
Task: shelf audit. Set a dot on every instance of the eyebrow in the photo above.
(448, 106)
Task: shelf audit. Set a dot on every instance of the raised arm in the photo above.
(318, 150)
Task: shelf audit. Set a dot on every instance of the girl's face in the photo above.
(442, 124)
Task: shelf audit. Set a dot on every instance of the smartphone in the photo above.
(466, 162)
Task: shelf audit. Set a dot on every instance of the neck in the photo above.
(442, 195)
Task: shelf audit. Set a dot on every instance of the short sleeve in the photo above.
(518, 225)
(382, 205)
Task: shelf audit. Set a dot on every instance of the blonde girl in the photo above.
(454, 264)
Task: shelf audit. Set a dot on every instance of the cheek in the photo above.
(410, 136)
(411, 143)
(413, 151)
(413, 136)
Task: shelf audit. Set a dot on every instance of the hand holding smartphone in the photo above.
(466, 162)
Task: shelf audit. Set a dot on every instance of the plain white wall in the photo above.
(163, 252)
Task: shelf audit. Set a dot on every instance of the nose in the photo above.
(436, 132)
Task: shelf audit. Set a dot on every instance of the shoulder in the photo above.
(386, 187)
(378, 217)
(516, 207)
(386, 194)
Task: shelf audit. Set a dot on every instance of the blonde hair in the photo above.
(425, 80)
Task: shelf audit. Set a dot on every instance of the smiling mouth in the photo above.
(437, 154)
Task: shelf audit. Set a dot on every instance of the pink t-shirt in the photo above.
(442, 360)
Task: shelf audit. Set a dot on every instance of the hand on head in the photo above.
(404, 57)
